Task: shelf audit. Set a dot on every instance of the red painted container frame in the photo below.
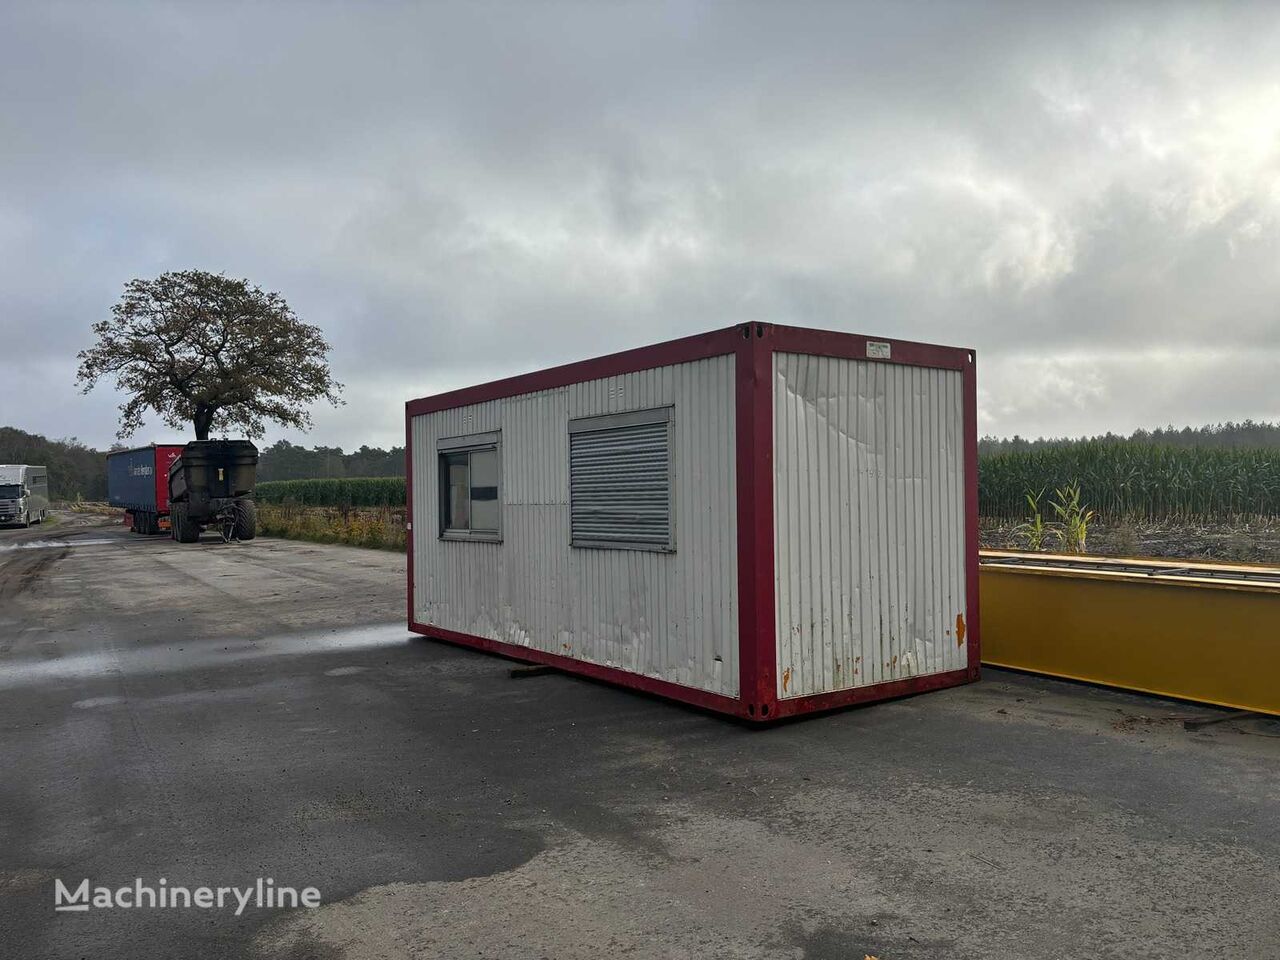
(162, 473)
(753, 346)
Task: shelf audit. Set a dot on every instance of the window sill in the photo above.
(472, 537)
(621, 545)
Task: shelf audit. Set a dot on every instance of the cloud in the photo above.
(1087, 195)
(1125, 390)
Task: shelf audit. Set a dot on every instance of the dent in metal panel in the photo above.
(868, 522)
(672, 616)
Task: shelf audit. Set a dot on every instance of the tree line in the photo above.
(75, 470)
(1245, 435)
(79, 471)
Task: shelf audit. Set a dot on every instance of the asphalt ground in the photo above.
(216, 714)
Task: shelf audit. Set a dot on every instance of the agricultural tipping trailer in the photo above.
(211, 484)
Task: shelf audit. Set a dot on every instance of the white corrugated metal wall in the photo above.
(868, 522)
(668, 615)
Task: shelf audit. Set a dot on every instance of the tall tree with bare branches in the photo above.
(204, 349)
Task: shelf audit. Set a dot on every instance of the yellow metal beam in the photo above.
(1204, 636)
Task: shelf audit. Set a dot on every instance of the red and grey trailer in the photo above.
(762, 520)
(138, 482)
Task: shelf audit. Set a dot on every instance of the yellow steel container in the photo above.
(1205, 632)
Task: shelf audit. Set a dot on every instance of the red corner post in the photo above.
(408, 506)
(757, 649)
(971, 513)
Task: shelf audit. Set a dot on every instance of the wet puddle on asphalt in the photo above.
(197, 654)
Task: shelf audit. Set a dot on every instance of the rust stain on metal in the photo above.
(960, 628)
(786, 679)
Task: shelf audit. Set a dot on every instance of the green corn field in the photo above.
(344, 492)
(1118, 480)
(1136, 481)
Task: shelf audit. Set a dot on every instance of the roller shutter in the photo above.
(620, 481)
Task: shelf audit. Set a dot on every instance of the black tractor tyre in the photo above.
(246, 527)
(185, 530)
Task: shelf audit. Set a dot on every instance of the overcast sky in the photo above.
(1089, 196)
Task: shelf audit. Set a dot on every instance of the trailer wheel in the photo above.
(184, 529)
(246, 520)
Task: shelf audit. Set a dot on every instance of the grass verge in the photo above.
(380, 528)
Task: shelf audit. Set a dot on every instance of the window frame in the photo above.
(602, 423)
(469, 443)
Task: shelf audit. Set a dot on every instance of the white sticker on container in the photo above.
(878, 350)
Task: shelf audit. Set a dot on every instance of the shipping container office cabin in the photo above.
(761, 520)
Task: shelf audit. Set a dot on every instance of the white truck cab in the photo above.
(24, 493)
